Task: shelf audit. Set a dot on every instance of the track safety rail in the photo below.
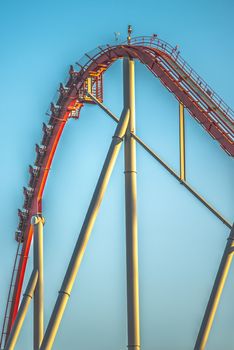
(154, 41)
(67, 106)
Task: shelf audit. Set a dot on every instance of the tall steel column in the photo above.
(27, 297)
(38, 314)
(172, 172)
(131, 210)
(182, 142)
(216, 293)
(85, 232)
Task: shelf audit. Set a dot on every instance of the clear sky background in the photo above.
(180, 241)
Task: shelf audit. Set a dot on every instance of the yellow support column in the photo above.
(38, 312)
(131, 210)
(216, 293)
(89, 85)
(182, 142)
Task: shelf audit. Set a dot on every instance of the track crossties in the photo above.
(175, 74)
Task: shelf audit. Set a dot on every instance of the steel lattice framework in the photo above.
(85, 85)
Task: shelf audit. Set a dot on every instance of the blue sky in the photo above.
(180, 241)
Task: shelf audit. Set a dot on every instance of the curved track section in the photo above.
(178, 77)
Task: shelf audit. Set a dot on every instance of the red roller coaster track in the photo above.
(176, 75)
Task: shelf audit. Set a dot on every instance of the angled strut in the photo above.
(182, 142)
(85, 233)
(169, 169)
(27, 297)
(216, 293)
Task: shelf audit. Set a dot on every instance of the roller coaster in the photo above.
(85, 85)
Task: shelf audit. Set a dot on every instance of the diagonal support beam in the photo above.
(216, 293)
(182, 182)
(85, 233)
(182, 142)
(27, 297)
(170, 170)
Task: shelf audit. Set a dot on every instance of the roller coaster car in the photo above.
(19, 236)
(72, 77)
(54, 110)
(72, 71)
(28, 194)
(64, 93)
(63, 90)
(22, 222)
(34, 170)
(23, 214)
(28, 191)
(40, 149)
(47, 128)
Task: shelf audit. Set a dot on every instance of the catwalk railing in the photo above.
(163, 61)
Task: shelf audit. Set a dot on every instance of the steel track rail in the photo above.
(106, 55)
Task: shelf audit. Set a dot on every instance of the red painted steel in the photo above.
(178, 77)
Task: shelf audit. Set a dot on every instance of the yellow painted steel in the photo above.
(85, 232)
(216, 294)
(89, 85)
(38, 314)
(12, 339)
(171, 171)
(228, 254)
(182, 142)
(131, 210)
